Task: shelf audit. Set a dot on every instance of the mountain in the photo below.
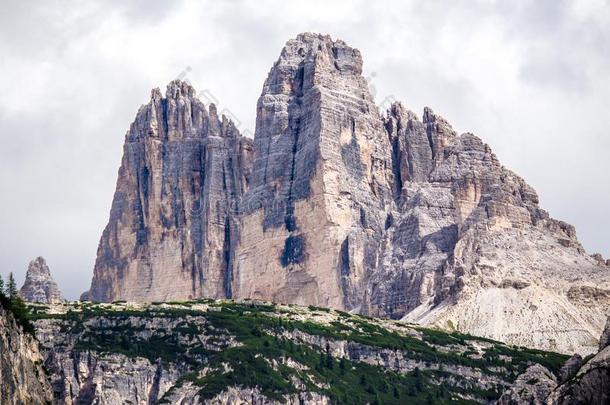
(222, 351)
(172, 222)
(339, 205)
(39, 286)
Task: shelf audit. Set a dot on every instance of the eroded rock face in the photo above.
(23, 379)
(321, 186)
(570, 368)
(604, 340)
(172, 229)
(591, 383)
(531, 388)
(384, 214)
(39, 286)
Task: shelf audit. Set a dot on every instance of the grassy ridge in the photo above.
(246, 345)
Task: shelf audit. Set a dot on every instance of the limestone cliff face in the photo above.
(22, 377)
(171, 227)
(321, 184)
(39, 286)
(344, 206)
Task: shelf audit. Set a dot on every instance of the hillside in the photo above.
(256, 352)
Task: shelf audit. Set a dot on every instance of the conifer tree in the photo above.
(12, 286)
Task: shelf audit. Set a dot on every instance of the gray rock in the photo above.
(570, 368)
(343, 206)
(21, 373)
(321, 187)
(590, 386)
(172, 228)
(531, 388)
(39, 286)
(589, 383)
(84, 296)
(599, 259)
(604, 340)
(399, 217)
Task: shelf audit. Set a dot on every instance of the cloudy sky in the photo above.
(532, 78)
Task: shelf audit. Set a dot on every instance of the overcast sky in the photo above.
(531, 78)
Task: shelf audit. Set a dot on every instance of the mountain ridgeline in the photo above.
(336, 204)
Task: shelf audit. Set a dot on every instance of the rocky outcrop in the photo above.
(591, 384)
(39, 286)
(171, 232)
(604, 340)
(570, 368)
(188, 394)
(532, 387)
(343, 206)
(579, 383)
(23, 379)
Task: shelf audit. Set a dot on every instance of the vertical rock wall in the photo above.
(321, 180)
(172, 226)
(22, 377)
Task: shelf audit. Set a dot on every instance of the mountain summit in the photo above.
(39, 286)
(337, 204)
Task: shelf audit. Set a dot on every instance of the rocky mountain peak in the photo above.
(171, 222)
(39, 286)
(179, 115)
(312, 60)
(334, 204)
(177, 89)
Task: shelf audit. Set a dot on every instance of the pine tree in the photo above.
(329, 358)
(419, 379)
(1, 286)
(12, 286)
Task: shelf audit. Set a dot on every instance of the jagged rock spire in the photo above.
(171, 224)
(39, 286)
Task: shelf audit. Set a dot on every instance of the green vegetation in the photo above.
(10, 301)
(253, 345)
(260, 362)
